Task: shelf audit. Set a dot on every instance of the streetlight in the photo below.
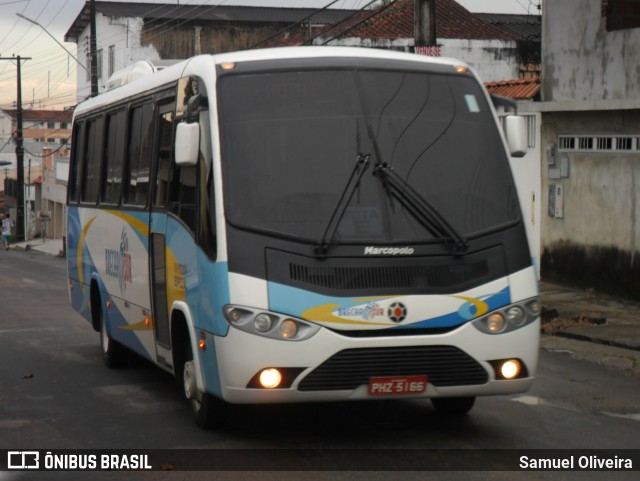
(54, 38)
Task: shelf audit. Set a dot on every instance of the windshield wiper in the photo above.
(419, 208)
(362, 164)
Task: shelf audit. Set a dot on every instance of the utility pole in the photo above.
(93, 49)
(19, 150)
(425, 22)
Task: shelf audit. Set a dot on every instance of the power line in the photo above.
(350, 17)
(289, 27)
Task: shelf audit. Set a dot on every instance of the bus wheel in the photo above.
(453, 406)
(207, 409)
(114, 354)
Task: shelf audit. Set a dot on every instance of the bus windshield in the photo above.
(290, 141)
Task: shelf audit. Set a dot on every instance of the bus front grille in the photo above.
(348, 369)
(387, 277)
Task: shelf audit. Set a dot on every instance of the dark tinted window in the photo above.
(114, 157)
(290, 142)
(77, 155)
(91, 161)
(165, 155)
(140, 150)
(182, 195)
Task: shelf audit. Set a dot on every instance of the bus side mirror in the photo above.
(515, 130)
(187, 144)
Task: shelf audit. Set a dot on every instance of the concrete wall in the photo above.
(581, 60)
(595, 241)
(494, 60)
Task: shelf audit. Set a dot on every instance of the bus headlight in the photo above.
(509, 318)
(515, 315)
(262, 322)
(496, 322)
(288, 328)
(268, 324)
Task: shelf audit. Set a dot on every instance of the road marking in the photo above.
(529, 400)
(27, 329)
(632, 416)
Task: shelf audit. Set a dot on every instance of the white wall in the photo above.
(123, 33)
(494, 60)
(581, 60)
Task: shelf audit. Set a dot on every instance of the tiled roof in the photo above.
(521, 89)
(397, 21)
(452, 21)
(42, 115)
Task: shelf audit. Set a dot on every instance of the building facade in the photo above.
(496, 46)
(128, 32)
(46, 135)
(591, 144)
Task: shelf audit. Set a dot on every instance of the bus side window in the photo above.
(206, 192)
(164, 153)
(182, 195)
(75, 174)
(113, 157)
(140, 150)
(91, 160)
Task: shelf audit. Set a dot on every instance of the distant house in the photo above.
(128, 32)
(497, 47)
(45, 139)
(50, 126)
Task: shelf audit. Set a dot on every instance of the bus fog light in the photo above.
(262, 322)
(496, 323)
(510, 369)
(270, 378)
(288, 328)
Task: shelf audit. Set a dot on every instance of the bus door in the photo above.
(157, 234)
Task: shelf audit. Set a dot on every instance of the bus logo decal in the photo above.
(397, 312)
(118, 262)
(367, 312)
(388, 251)
(473, 307)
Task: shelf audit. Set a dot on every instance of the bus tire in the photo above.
(114, 354)
(453, 406)
(208, 411)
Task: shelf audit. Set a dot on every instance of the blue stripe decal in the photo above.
(296, 302)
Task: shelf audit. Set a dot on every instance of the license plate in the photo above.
(392, 386)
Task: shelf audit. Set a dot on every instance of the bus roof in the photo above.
(156, 78)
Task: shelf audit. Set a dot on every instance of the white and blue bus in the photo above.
(305, 225)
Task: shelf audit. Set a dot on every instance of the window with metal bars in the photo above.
(599, 143)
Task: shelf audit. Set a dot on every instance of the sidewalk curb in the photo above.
(595, 340)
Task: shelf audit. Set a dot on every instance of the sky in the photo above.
(48, 77)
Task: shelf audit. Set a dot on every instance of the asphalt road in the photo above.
(55, 393)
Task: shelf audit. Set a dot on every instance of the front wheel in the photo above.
(453, 406)
(114, 354)
(208, 410)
